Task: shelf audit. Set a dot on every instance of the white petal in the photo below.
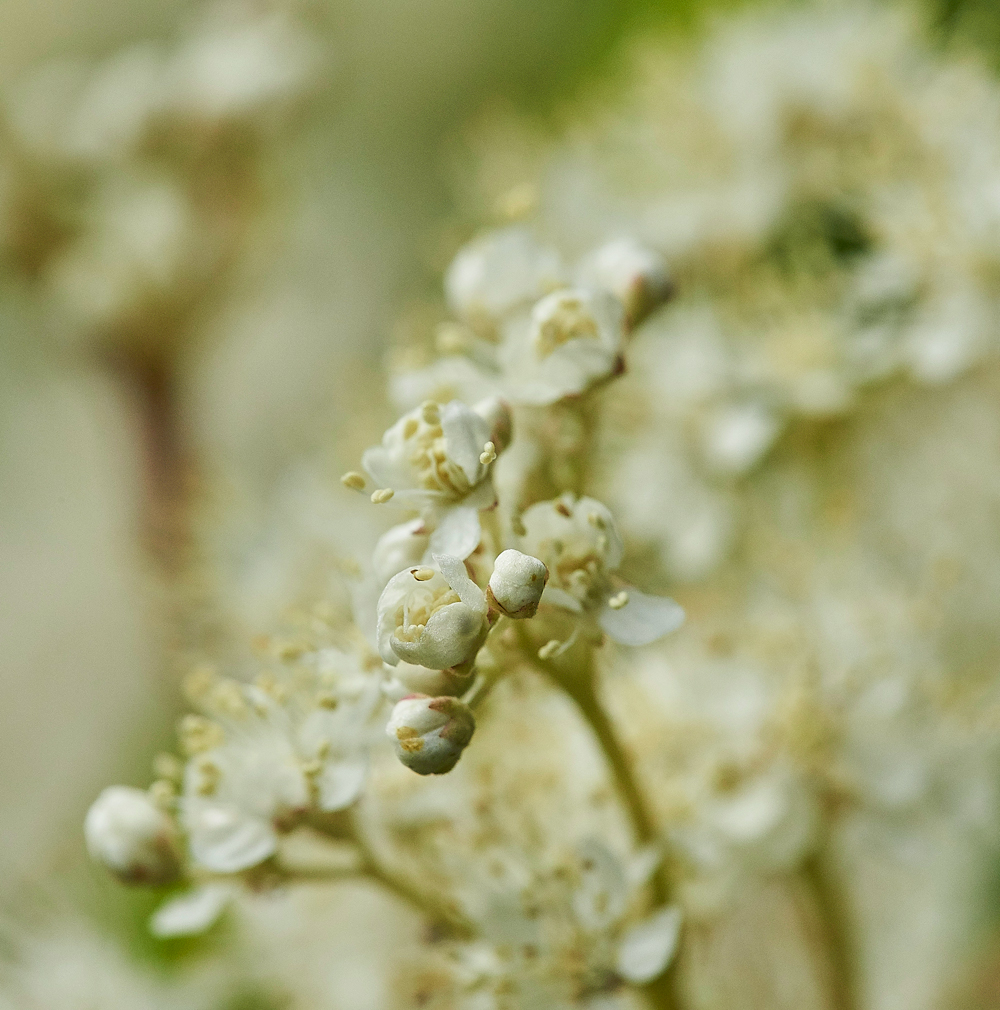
(192, 912)
(601, 896)
(225, 839)
(398, 548)
(556, 597)
(458, 533)
(483, 495)
(453, 569)
(340, 783)
(465, 434)
(642, 620)
(646, 949)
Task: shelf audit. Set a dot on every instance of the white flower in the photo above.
(635, 274)
(516, 583)
(567, 936)
(498, 272)
(433, 618)
(578, 541)
(439, 459)
(572, 339)
(400, 547)
(270, 752)
(130, 835)
(429, 734)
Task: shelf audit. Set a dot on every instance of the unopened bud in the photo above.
(516, 584)
(132, 836)
(429, 734)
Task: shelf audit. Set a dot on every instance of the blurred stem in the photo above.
(836, 937)
(580, 683)
(583, 690)
(442, 915)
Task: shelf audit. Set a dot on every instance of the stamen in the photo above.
(618, 600)
(549, 649)
(423, 574)
(382, 495)
(488, 454)
(354, 480)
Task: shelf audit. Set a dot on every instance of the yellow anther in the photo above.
(423, 574)
(354, 480)
(430, 412)
(618, 600)
(382, 495)
(488, 454)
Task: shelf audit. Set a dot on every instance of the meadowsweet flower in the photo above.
(270, 752)
(572, 339)
(133, 837)
(635, 274)
(498, 273)
(429, 734)
(432, 617)
(567, 935)
(400, 547)
(516, 584)
(580, 544)
(439, 459)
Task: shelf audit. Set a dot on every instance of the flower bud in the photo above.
(635, 274)
(516, 584)
(429, 734)
(136, 840)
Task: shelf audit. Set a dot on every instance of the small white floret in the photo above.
(130, 835)
(429, 734)
(517, 583)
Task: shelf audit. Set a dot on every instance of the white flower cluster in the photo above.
(129, 181)
(531, 329)
(584, 951)
(799, 436)
(481, 581)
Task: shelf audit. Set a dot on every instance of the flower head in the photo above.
(439, 459)
(429, 734)
(578, 541)
(499, 272)
(133, 837)
(635, 274)
(572, 339)
(430, 617)
(268, 752)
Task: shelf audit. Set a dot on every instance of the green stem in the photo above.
(583, 692)
(581, 686)
(443, 916)
(836, 934)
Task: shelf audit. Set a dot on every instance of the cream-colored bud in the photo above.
(429, 734)
(516, 584)
(132, 836)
